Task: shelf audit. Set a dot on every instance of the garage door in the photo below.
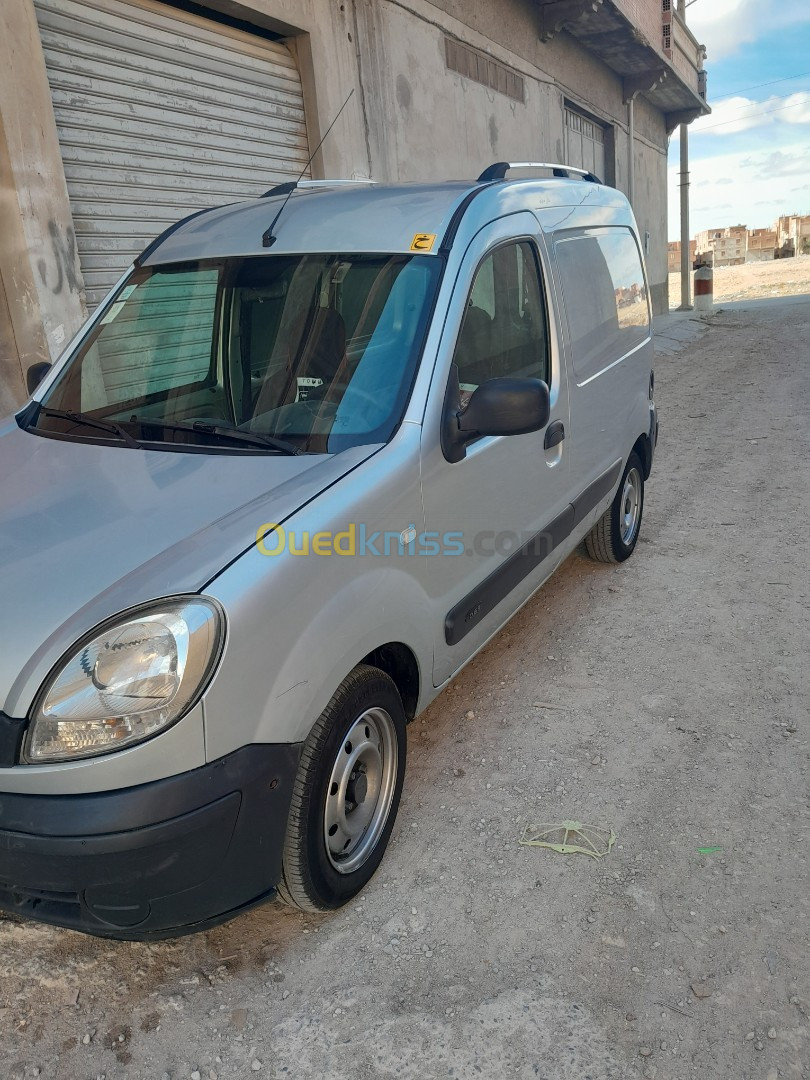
(160, 113)
(584, 143)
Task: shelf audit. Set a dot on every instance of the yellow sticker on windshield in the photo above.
(423, 241)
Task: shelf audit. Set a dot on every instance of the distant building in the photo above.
(761, 245)
(723, 247)
(674, 255)
(792, 235)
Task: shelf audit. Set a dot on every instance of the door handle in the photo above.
(555, 433)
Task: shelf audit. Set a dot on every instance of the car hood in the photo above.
(89, 530)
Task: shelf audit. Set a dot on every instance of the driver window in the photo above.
(504, 330)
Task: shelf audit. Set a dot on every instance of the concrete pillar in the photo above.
(686, 269)
(631, 150)
(42, 301)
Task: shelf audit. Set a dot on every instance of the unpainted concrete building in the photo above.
(722, 247)
(117, 117)
(674, 255)
(793, 234)
(761, 245)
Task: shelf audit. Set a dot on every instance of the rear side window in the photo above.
(504, 327)
(605, 297)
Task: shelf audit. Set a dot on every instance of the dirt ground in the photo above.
(666, 698)
(780, 277)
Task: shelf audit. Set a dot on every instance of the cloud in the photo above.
(797, 108)
(724, 26)
(780, 164)
(764, 185)
(732, 115)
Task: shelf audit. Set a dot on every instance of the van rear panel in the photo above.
(605, 312)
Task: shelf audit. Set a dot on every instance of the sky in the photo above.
(750, 160)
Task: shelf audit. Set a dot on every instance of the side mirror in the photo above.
(35, 374)
(506, 406)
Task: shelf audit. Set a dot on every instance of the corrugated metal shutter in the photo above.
(584, 143)
(160, 113)
(162, 338)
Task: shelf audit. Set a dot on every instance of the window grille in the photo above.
(481, 68)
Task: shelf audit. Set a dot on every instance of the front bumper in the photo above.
(159, 860)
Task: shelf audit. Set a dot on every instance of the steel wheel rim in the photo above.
(630, 507)
(360, 790)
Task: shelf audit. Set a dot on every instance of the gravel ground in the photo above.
(666, 698)
(779, 277)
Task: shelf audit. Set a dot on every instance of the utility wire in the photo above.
(754, 104)
(752, 116)
(773, 82)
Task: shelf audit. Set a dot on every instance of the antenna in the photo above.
(268, 239)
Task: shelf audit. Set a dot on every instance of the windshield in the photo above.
(312, 353)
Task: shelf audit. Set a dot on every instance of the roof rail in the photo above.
(499, 170)
(291, 185)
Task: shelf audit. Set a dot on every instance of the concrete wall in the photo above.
(431, 123)
(41, 293)
(687, 53)
(11, 372)
(800, 235)
(426, 122)
(760, 254)
(411, 118)
(650, 199)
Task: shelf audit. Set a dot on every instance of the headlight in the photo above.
(134, 676)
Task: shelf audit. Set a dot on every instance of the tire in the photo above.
(613, 538)
(357, 747)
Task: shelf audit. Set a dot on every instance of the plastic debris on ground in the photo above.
(570, 838)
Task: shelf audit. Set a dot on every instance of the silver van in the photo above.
(299, 467)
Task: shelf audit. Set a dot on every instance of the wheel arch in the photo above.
(643, 447)
(399, 662)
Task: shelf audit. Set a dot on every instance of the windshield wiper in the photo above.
(251, 437)
(92, 421)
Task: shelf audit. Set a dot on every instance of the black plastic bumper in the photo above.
(158, 860)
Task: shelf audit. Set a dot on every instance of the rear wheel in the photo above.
(346, 793)
(614, 536)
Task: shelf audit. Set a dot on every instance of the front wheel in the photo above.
(346, 793)
(614, 536)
